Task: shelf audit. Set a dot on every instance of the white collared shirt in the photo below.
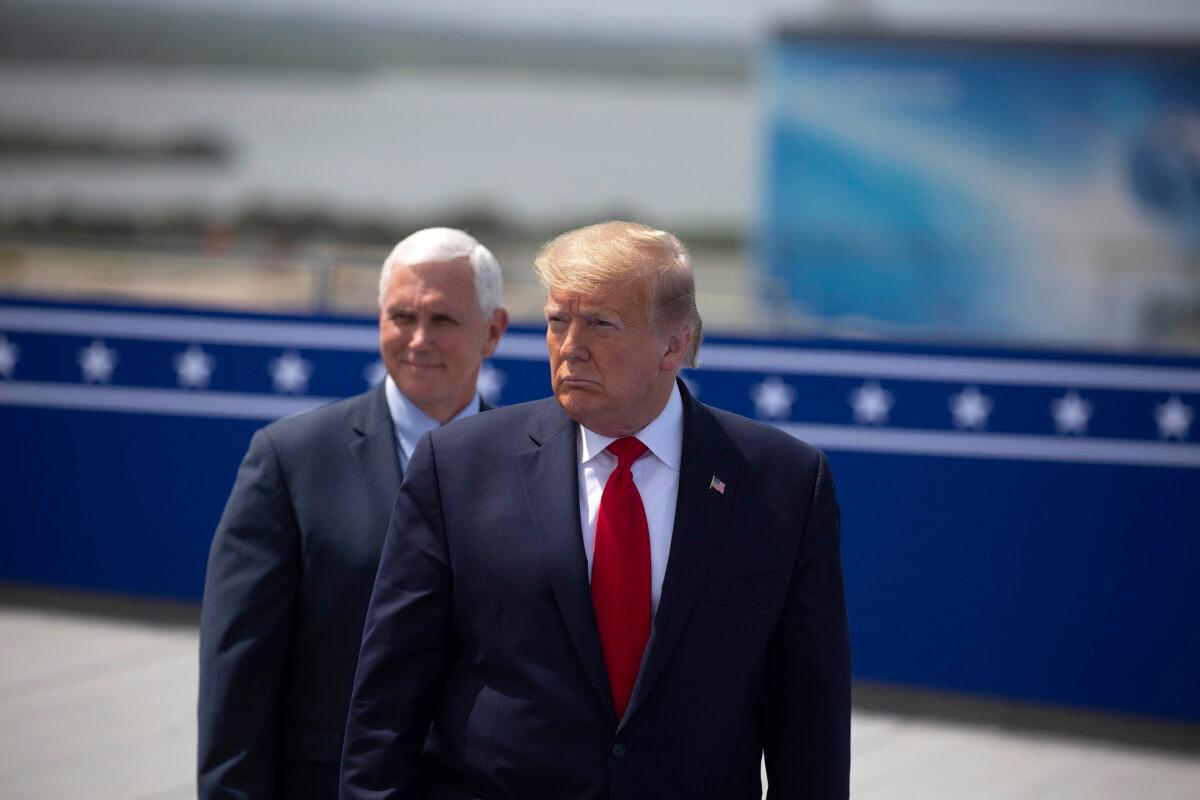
(656, 475)
(411, 422)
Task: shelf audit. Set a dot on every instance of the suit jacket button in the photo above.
(618, 750)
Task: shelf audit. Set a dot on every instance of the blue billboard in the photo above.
(986, 190)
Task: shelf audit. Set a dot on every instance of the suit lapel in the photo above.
(373, 446)
(373, 439)
(550, 476)
(700, 515)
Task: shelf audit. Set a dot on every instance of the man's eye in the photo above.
(403, 319)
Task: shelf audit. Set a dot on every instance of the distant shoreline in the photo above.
(35, 33)
(35, 144)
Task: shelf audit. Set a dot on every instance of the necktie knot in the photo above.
(627, 450)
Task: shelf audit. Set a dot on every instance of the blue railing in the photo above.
(1018, 523)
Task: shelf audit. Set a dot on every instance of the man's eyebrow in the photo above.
(597, 311)
(602, 312)
(586, 312)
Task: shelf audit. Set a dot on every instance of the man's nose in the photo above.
(421, 337)
(574, 342)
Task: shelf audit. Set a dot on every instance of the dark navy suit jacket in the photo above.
(289, 577)
(481, 674)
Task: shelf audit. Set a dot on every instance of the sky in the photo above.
(744, 19)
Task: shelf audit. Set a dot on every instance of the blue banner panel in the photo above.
(1017, 523)
(985, 189)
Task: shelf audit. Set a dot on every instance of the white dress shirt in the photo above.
(656, 475)
(411, 422)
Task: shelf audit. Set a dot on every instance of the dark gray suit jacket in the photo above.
(481, 624)
(289, 577)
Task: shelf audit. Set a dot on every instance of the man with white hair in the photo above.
(296, 550)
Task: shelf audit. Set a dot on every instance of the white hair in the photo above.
(433, 245)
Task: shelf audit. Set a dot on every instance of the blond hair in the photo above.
(600, 257)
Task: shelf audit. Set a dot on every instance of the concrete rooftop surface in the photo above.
(99, 702)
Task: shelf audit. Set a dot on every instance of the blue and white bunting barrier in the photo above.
(1020, 523)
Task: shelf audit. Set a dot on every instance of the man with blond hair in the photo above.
(296, 551)
(616, 592)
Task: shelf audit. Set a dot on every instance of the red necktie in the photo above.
(621, 574)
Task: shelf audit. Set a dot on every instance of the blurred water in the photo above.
(531, 148)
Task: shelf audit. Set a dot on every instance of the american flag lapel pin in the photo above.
(717, 485)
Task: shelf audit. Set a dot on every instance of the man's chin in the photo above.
(581, 404)
(576, 392)
(419, 388)
(576, 386)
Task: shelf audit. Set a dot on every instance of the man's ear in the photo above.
(497, 325)
(678, 344)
